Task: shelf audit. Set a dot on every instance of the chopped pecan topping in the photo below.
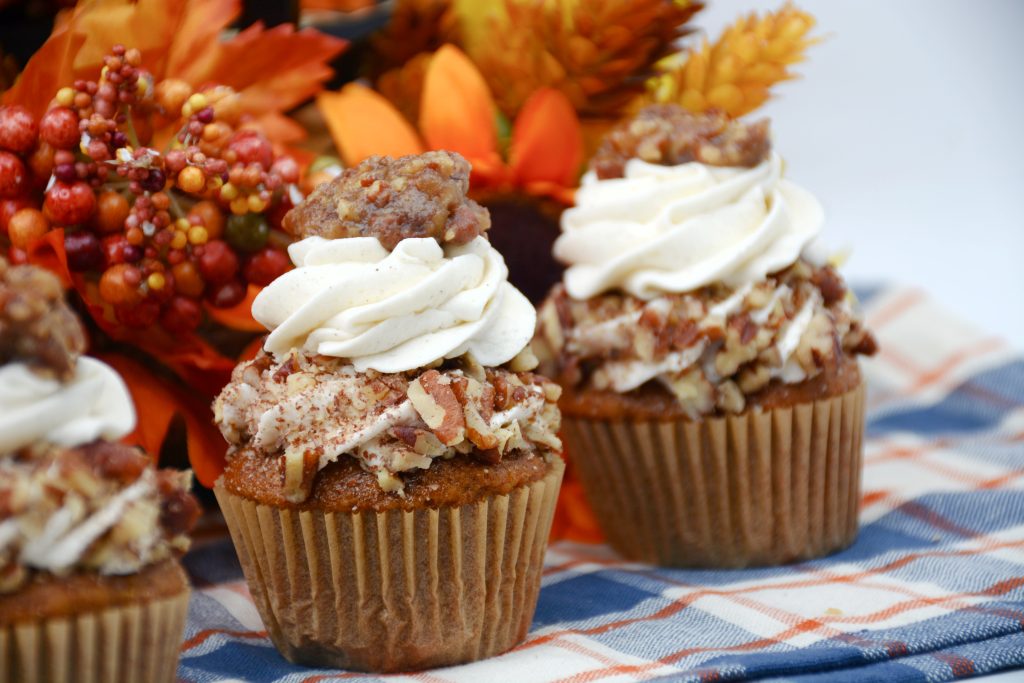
(56, 487)
(36, 324)
(435, 401)
(668, 134)
(390, 423)
(711, 348)
(831, 285)
(119, 462)
(391, 199)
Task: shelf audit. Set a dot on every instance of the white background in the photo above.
(908, 124)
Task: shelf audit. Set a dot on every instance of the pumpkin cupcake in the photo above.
(90, 585)
(713, 402)
(393, 466)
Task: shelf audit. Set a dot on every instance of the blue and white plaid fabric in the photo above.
(932, 590)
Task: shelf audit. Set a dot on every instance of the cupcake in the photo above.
(90, 532)
(393, 462)
(713, 402)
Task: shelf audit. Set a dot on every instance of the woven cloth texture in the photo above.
(932, 590)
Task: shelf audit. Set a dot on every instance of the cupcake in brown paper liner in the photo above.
(393, 463)
(90, 585)
(713, 403)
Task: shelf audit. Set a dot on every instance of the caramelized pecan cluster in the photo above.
(421, 195)
(668, 134)
(36, 324)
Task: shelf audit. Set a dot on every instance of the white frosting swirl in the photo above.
(399, 310)
(95, 403)
(672, 229)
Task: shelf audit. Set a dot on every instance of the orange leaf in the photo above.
(239, 316)
(158, 400)
(574, 518)
(278, 128)
(273, 69)
(457, 111)
(50, 66)
(547, 143)
(48, 252)
(253, 348)
(201, 26)
(363, 123)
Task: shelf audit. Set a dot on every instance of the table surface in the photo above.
(932, 589)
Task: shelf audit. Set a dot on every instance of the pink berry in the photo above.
(14, 179)
(84, 251)
(266, 265)
(219, 263)
(70, 203)
(18, 129)
(287, 169)
(59, 128)
(181, 315)
(251, 147)
(229, 294)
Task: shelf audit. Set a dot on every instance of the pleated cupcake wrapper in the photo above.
(761, 488)
(396, 591)
(128, 644)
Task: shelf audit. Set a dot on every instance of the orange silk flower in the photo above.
(457, 112)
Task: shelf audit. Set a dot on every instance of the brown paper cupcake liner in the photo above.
(396, 590)
(761, 488)
(127, 644)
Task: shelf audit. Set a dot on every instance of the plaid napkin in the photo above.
(933, 589)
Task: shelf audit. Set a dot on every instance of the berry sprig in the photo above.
(158, 231)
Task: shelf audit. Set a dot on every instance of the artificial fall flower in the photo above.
(272, 69)
(457, 112)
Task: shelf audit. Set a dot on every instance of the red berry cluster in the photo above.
(157, 230)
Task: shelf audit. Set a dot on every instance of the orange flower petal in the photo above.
(239, 316)
(457, 111)
(273, 69)
(251, 349)
(547, 142)
(48, 252)
(49, 69)
(158, 400)
(363, 123)
(574, 518)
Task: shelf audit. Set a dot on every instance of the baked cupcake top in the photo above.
(71, 499)
(690, 264)
(396, 339)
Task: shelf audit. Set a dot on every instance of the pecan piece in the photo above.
(419, 440)
(827, 280)
(435, 401)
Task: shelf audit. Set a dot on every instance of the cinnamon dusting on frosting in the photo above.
(391, 199)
